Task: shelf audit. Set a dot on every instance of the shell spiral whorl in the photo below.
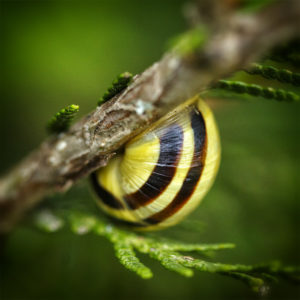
(164, 172)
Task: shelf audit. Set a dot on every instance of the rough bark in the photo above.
(63, 159)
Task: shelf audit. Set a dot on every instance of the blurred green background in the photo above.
(54, 53)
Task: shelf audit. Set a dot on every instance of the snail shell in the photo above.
(164, 172)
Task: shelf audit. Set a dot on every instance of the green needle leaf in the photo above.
(62, 120)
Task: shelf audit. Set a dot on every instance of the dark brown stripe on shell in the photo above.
(171, 143)
(193, 175)
(106, 197)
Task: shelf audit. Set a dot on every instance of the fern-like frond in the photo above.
(167, 252)
(257, 90)
(270, 72)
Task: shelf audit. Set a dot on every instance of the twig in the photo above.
(63, 159)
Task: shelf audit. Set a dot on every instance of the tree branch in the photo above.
(63, 159)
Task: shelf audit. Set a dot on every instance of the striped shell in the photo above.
(164, 172)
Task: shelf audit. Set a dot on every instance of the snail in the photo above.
(164, 172)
